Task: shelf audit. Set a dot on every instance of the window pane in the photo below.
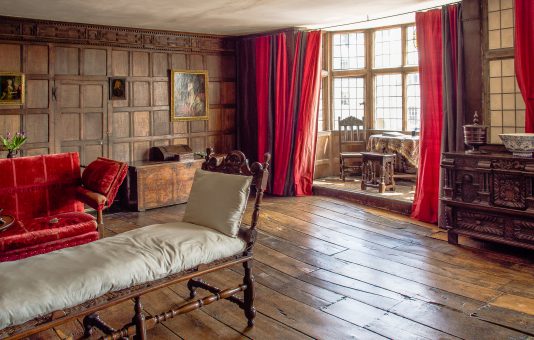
(388, 102)
(387, 48)
(348, 51)
(412, 58)
(320, 117)
(413, 101)
(348, 98)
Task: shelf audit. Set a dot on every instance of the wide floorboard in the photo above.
(329, 269)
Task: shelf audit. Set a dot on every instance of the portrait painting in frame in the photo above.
(117, 88)
(189, 95)
(11, 88)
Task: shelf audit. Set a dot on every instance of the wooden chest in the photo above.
(489, 196)
(157, 184)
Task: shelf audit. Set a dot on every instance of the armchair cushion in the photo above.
(99, 175)
(218, 201)
(102, 176)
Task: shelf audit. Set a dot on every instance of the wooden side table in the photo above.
(378, 171)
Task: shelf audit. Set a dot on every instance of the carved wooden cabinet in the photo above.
(157, 184)
(488, 196)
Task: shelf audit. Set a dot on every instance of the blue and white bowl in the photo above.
(520, 144)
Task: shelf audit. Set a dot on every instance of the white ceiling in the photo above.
(229, 17)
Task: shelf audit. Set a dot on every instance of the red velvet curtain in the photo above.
(524, 52)
(286, 93)
(306, 137)
(429, 42)
(262, 48)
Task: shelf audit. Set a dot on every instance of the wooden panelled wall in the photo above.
(67, 67)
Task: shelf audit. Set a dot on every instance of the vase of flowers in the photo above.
(13, 143)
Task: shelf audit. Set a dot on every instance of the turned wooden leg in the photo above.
(364, 176)
(88, 325)
(452, 238)
(139, 320)
(100, 223)
(341, 169)
(382, 186)
(392, 175)
(249, 293)
(92, 321)
(192, 288)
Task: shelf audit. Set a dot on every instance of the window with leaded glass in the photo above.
(348, 51)
(388, 48)
(388, 102)
(349, 98)
(412, 56)
(413, 101)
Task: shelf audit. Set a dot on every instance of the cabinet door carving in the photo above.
(480, 222)
(509, 191)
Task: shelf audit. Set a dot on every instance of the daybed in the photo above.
(47, 290)
(46, 195)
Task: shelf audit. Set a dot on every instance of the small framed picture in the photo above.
(189, 95)
(11, 88)
(117, 88)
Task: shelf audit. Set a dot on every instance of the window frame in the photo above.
(368, 73)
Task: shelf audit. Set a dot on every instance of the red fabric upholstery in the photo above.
(103, 176)
(42, 229)
(39, 185)
(36, 190)
(47, 247)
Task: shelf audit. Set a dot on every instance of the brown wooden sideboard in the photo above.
(157, 184)
(488, 196)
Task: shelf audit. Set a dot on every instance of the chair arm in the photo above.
(93, 199)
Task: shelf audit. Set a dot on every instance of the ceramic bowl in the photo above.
(520, 144)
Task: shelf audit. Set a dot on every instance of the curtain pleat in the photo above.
(262, 81)
(453, 79)
(306, 135)
(524, 52)
(246, 98)
(429, 42)
(286, 92)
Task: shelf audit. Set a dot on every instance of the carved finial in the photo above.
(209, 152)
(475, 118)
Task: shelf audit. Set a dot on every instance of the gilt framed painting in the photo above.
(11, 88)
(189, 95)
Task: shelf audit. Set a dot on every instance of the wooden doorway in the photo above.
(82, 118)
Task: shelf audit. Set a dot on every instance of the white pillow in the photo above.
(218, 201)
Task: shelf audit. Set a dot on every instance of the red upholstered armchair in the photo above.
(101, 180)
(45, 196)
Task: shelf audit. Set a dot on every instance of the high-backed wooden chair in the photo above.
(351, 133)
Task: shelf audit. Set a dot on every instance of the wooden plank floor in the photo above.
(329, 269)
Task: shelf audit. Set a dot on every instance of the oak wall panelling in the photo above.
(68, 66)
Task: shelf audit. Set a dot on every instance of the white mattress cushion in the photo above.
(218, 201)
(45, 283)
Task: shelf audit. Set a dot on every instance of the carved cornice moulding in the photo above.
(20, 29)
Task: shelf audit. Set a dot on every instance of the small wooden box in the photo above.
(171, 153)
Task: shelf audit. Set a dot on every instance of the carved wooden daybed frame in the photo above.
(234, 163)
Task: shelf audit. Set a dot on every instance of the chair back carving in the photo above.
(351, 129)
(236, 163)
